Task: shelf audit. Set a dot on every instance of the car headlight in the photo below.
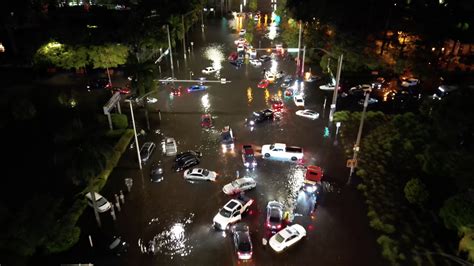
(246, 164)
(252, 123)
(254, 164)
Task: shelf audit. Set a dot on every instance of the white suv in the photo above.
(102, 203)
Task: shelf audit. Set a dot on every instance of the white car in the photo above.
(169, 147)
(199, 174)
(255, 62)
(102, 203)
(299, 100)
(327, 87)
(209, 70)
(410, 82)
(287, 237)
(242, 32)
(151, 100)
(240, 48)
(308, 114)
(239, 185)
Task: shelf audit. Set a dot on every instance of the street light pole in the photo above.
(135, 132)
(302, 62)
(299, 48)
(171, 52)
(359, 134)
(184, 36)
(334, 95)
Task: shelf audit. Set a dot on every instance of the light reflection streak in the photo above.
(267, 96)
(205, 102)
(249, 95)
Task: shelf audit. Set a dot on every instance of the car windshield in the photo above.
(274, 218)
(245, 246)
(235, 184)
(279, 238)
(225, 213)
(205, 172)
(101, 202)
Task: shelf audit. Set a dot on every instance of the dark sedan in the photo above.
(186, 162)
(242, 241)
(258, 117)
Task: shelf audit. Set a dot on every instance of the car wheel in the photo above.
(294, 158)
(267, 155)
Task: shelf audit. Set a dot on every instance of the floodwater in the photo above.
(170, 222)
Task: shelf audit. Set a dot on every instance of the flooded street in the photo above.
(175, 216)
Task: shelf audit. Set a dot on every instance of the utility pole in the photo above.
(171, 52)
(184, 37)
(334, 96)
(302, 62)
(359, 134)
(135, 132)
(299, 48)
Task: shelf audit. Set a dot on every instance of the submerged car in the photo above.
(206, 121)
(209, 70)
(185, 162)
(156, 174)
(146, 150)
(258, 117)
(197, 154)
(169, 147)
(263, 84)
(199, 174)
(194, 88)
(299, 100)
(308, 114)
(248, 157)
(102, 203)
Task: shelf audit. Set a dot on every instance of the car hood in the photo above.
(221, 220)
(229, 188)
(275, 244)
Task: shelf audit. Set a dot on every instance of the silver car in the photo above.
(146, 151)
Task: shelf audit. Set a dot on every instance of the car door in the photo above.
(291, 240)
(236, 216)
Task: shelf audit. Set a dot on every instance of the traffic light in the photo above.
(326, 132)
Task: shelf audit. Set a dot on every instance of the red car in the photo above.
(277, 106)
(122, 90)
(233, 56)
(176, 91)
(206, 121)
(314, 173)
(263, 84)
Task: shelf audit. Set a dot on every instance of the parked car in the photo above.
(242, 241)
(209, 70)
(287, 237)
(185, 162)
(98, 84)
(146, 151)
(197, 154)
(258, 117)
(255, 62)
(156, 174)
(264, 58)
(118, 246)
(308, 114)
(274, 220)
(102, 203)
(239, 185)
(199, 174)
(263, 84)
(122, 90)
(248, 156)
(299, 100)
(206, 121)
(176, 91)
(169, 147)
(194, 88)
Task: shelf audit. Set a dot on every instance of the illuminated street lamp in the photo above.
(2, 48)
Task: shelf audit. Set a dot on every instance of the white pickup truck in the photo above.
(231, 212)
(281, 151)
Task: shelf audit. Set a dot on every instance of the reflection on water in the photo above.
(249, 95)
(293, 183)
(172, 241)
(267, 96)
(205, 103)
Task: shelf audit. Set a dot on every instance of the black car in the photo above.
(274, 219)
(258, 117)
(242, 241)
(97, 84)
(156, 174)
(187, 153)
(186, 162)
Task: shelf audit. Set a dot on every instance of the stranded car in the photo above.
(146, 151)
(209, 70)
(308, 114)
(169, 147)
(156, 174)
(197, 154)
(239, 185)
(185, 162)
(176, 91)
(258, 117)
(287, 237)
(231, 212)
(274, 219)
(194, 88)
(299, 100)
(242, 241)
(263, 84)
(206, 121)
(199, 174)
(248, 156)
(102, 203)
